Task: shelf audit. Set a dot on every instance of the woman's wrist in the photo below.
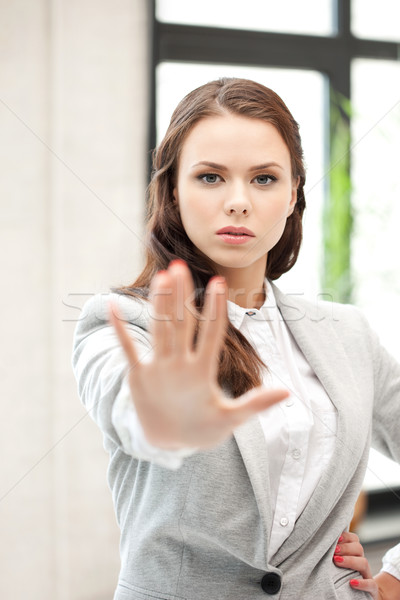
(389, 586)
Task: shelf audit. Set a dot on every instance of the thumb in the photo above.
(123, 336)
(255, 401)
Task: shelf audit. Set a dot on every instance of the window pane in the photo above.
(376, 193)
(376, 21)
(174, 80)
(289, 16)
(382, 473)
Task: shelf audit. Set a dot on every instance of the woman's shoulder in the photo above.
(95, 312)
(321, 307)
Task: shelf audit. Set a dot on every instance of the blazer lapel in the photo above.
(251, 442)
(316, 336)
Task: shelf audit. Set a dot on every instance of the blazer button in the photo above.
(271, 583)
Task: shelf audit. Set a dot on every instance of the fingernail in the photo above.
(217, 279)
(176, 261)
(338, 558)
(354, 582)
(337, 550)
(340, 539)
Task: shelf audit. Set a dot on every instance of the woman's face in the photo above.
(235, 190)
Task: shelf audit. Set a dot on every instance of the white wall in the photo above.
(73, 115)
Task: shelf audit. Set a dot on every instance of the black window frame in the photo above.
(331, 55)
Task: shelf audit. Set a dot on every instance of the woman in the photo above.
(216, 496)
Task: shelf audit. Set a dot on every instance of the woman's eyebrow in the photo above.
(214, 165)
(266, 166)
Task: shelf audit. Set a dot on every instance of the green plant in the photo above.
(337, 212)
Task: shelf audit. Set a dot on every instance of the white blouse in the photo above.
(299, 432)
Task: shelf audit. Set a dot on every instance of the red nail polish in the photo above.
(340, 539)
(338, 558)
(354, 582)
(337, 550)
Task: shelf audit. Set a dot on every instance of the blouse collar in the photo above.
(266, 312)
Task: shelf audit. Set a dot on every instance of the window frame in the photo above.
(331, 55)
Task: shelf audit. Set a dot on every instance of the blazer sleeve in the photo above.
(100, 368)
(386, 412)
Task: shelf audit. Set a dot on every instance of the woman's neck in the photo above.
(249, 293)
(246, 285)
(247, 299)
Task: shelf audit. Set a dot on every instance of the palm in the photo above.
(176, 395)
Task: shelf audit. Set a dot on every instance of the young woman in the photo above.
(238, 420)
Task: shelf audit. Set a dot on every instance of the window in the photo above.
(334, 63)
(376, 21)
(376, 192)
(289, 16)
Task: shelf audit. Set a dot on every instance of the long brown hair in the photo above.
(240, 366)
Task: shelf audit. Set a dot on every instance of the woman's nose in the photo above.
(237, 202)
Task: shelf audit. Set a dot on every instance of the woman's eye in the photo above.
(210, 178)
(265, 179)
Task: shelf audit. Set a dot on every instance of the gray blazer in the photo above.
(201, 532)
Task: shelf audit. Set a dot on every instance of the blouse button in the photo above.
(296, 454)
(289, 402)
(284, 521)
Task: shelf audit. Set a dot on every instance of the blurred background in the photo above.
(86, 90)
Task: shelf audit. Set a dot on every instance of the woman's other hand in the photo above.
(349, 554)
(176, 395)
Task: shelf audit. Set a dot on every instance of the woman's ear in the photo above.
(293, 200)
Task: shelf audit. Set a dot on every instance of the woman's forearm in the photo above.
(389, 586)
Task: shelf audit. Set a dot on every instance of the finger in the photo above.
(183, 313)
(344, 547)
(348, 536)
(365, 585)
(122, 333)
(213, 323)
(349, 549)
(252, 402)
(161, 315)
(355, 563)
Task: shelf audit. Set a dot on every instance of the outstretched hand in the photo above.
(176, 395)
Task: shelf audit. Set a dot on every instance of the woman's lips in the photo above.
(235, 235)
(236, 230)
